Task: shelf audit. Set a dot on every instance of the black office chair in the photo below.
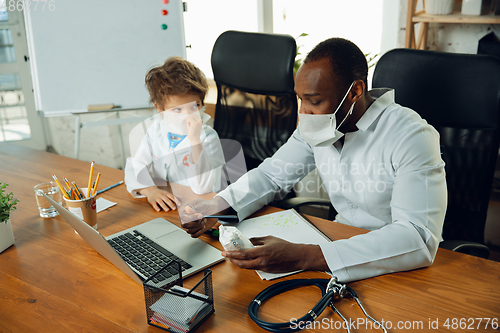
(256, 102)
(298, 203)
(458, 94)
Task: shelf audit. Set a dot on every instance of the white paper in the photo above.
(103, 204)
(287, 225)
(77, 211)
(180, 309)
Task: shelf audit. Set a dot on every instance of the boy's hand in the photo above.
(160, 199)
(194, 124)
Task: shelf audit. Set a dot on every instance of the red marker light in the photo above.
(164, 12)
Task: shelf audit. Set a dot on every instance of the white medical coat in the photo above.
(156, 163)
(388, 178)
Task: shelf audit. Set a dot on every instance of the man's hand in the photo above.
(160, 199)
(275, 255)
(192, 213)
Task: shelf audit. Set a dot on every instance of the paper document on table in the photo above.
(103, 204)
(180, 314)
(288, 225)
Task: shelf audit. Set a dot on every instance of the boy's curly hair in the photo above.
(176, 76)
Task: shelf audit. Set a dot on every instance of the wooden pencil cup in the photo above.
(85, 209)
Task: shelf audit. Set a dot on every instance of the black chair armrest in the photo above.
(298, 202)
(472, 248)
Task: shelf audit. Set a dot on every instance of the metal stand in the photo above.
(118, 121)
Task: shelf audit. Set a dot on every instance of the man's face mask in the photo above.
(320, 130)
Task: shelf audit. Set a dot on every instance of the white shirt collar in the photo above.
(383, 98)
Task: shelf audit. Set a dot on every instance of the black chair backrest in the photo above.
(458, 94)
(256, 102)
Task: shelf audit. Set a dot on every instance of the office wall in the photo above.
(461, 38)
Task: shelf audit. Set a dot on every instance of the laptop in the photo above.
(158, 241)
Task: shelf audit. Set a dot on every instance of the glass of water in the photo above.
(44, 207)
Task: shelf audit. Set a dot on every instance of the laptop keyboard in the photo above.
(146, 256)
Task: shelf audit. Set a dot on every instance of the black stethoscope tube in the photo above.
(283, 286)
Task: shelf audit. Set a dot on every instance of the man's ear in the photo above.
(357, 90)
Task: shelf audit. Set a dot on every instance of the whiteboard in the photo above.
(98, 52)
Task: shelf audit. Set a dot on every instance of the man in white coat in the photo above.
(380, 164)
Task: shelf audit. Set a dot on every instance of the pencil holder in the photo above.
(85, 209)
(174, 308)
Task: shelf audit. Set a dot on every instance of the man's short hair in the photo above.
(347, 60)
(176, 76)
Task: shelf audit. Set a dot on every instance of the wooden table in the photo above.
(52, 281)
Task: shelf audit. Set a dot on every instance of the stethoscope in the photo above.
(331, 290)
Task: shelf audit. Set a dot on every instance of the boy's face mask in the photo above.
(175, 117)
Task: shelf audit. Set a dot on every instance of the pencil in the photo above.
(60, 187)
(159, 324)
(82, 196)
(76, 196)
(77, 190)
(110, 187)
(68, 185)
(89, 188)
(80, 193)
(96, 183)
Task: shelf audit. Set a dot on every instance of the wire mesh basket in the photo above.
(177, 309)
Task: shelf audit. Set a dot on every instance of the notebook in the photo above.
(288, 225)
(164, 240)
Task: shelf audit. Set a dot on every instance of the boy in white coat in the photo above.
(178, 147)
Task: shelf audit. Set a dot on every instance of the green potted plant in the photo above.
(7, 204)
(298, 59)
(370, 60)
